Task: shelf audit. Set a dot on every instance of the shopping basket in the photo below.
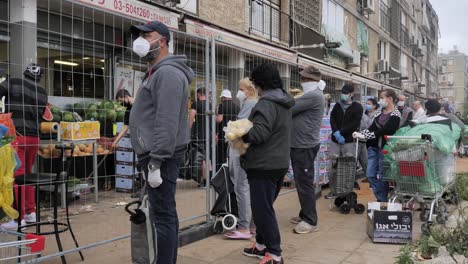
(420, 173)
(20, 248)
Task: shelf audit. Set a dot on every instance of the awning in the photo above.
(237, 41)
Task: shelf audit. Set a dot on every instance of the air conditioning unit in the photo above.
(356, 60)
(450, 83)
(368, 6)
(382, 66)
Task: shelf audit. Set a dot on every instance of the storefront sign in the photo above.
(206, 31)
(134, 9)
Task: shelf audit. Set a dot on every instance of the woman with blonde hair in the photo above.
(248, 97)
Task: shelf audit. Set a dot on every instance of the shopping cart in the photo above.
(421, 174)
(342, 183)
(20, 248)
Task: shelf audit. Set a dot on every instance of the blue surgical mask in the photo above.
(344, 97)
(368, 107)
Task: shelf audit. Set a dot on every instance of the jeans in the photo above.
(303, 167)
(362, 157)
(241, 188)
(263, 193)
(163, 210)
(375, 174)
(26, 147)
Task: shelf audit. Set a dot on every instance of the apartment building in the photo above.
(453, 78)
(393, 41)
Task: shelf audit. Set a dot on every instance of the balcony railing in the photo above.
(384, 16)
(266, 19)
(405, 38)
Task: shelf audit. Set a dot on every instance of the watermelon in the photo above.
(68, 117)
(47, 115)
(102, 116)
(92, 108)
(57, 117)
(78, 108)
(120, 116)
(92, 116)
(106, 104)
(55, 110)
(111, 115)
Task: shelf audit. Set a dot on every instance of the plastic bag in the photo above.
(237, 129)
(234, 132)
(7, 167)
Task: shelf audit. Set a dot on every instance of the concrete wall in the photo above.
(229, 14)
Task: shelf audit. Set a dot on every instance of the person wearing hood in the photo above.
(345, 118)
(26, 99)
(405, 110)
(267, 159)
(248, 98)
(305, 143)
(159, 129)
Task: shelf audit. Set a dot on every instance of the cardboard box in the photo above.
(124, 168)
(126, 156)
(80, 130)
(388, 223)
(125, 143)
(124, 184)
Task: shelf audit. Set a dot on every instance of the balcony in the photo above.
(384, 17)
(267, 20)
(405, 38)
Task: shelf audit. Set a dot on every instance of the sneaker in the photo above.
(30, 218)
(330, 196)
(305, 228)
(295, 220)
(12, 225)
(268, 259)
(254, 252)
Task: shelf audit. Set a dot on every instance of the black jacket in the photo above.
(346, 122)
(26, 99)
(270, 136)
(375, 134)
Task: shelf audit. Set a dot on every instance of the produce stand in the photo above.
(94, 155)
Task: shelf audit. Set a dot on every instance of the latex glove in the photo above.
(339, 137)
(358, 135)
(341, 140)
(154, 178)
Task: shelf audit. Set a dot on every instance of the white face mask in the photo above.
(322, 85)
(142, 46)
(383, 103)
(309, 86)
(401, 103)
(241, 96)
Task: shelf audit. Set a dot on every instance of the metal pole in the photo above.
(213, 116)
(95, 169)
(207, 152)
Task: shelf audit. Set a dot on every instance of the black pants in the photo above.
(163, 210)
(221, 153)
(303, 167)
(263, 192)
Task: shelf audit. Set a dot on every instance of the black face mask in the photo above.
(124, 104)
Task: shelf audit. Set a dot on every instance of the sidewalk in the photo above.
(341, 239)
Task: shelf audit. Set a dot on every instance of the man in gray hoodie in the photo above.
(305, 144)
(159, 130)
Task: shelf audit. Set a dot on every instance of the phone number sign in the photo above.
(133, 9)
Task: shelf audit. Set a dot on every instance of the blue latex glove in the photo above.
(339, 137)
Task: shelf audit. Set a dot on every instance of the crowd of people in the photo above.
(285, 131)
